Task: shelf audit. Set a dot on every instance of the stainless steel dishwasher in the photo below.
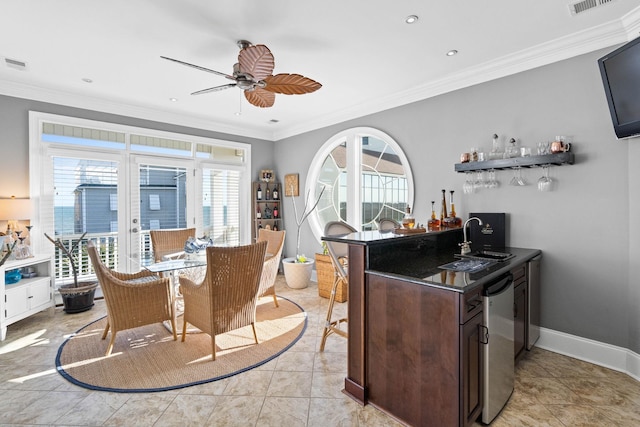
(498, 348)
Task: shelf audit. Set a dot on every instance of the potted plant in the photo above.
(297, 270)
(76, 297)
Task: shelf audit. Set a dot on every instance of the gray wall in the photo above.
(583, 227)
(14, 139)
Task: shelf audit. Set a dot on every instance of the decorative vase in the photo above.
(297, 274)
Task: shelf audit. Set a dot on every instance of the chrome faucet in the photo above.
(464, 246)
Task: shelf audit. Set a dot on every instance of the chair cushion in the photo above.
(143, 279)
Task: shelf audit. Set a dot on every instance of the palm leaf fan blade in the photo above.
(257, 61)
(260, 97)
(291, 84)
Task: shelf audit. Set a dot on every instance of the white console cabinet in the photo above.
(29, 295)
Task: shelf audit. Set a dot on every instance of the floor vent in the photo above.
(584, 5)
(14, 63)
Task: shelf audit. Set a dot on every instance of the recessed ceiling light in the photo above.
(87, 80)
(452, 52)
(173, 99)
(411, 19)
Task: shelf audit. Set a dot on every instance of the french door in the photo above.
(161, 196)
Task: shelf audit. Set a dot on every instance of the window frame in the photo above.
(353, 139)
(40, 150)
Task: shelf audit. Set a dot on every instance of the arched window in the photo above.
(365, 176)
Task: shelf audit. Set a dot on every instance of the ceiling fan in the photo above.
(253, 74)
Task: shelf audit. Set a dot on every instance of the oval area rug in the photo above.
(146, 359)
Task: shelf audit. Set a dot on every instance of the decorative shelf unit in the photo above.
(29, 295)
(267, 207)
(558, 159)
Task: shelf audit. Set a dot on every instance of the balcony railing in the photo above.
(108, 246)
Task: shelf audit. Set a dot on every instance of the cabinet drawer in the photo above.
(519, 273)
(470, 304)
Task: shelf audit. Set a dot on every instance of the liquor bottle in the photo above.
(258, 212)
(259, 193)
(268, 193)
(443, 211)
(275, 227)
(452, 221)
(408, 221)
(267, 212)
(275, 192)
(275, 211)
(434, 223)
(259, 224)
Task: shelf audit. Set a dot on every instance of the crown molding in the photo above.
(596, 38)
(600, 37)
(123, 109)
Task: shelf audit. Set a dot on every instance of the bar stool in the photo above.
(338, 253)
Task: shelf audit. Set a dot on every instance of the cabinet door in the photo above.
(472, 374)
(39, 293)
(519, 318)
(17, 301)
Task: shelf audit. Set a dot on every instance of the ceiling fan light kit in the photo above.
(253, 74)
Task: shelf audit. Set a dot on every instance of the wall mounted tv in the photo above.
(620, 71)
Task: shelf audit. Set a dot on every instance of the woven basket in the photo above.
(326, 276)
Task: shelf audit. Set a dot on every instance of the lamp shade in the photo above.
(15, 209)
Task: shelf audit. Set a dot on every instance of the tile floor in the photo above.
(300, 388)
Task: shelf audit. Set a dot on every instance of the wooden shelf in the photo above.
(524, 162)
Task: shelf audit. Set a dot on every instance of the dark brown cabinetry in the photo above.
(520, 309)
(471, 370)
(424, 358)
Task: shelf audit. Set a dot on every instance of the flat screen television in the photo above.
(620, 71)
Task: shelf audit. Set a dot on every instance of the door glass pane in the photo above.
(220, 205)
(151, 144)
(384, 183)
(220, 154)
(85, 200)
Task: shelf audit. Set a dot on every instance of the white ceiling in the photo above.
(362, 52)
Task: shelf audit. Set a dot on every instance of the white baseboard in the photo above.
(607, 355)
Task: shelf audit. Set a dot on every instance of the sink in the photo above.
(488, 255)
(468, 265)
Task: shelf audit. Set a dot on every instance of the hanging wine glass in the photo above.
(545, 183)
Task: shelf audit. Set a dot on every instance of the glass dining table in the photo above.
(174, 268)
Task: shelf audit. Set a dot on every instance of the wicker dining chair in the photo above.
(132, 300)
(338, 254)
(169, 242)
(226, 298)
(275, 243)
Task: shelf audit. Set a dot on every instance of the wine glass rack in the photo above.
(557, 159)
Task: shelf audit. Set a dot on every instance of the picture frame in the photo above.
(291, 185)
(267, 175)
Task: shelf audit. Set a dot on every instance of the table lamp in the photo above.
(13, 210)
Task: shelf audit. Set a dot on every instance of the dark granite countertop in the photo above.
(417, 258)
(453, 280)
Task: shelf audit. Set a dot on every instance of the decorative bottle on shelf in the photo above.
(259, 192)
(275, 192)
(275, 211)
(268, 193)
(443, 211)
(258, 213)
(408, 221)
(452, 221)
(434, 223)
(268, 212)
(259, 224)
